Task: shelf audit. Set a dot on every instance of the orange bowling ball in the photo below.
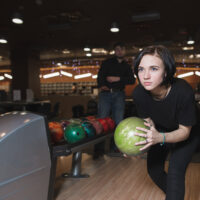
(56, 130)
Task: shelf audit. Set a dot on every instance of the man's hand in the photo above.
(113, 79)
(104, 88)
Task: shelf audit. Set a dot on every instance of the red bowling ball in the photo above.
(111, 123)
(104, 124)
(90, 117)
(56, 131)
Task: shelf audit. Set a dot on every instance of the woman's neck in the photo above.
(160, 92)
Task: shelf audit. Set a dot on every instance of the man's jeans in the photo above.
(111, 102)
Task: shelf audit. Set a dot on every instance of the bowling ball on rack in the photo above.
(56, 131)
(97, 125)
(74, 132)
(75, 120)
(89, 129)
(90, 117)
(64, 123)
(125, 138)
(104, 124)
(111, 123)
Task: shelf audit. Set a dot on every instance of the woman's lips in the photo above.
(147, 83)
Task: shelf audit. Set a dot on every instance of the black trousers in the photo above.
(173, 182)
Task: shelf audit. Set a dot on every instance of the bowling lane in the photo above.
(117, 178)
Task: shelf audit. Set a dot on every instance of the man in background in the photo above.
(114, 74)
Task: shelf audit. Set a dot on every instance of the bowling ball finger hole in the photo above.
(78, 133)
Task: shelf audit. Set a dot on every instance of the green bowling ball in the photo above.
(89, 129)
(74, 132)
(125, 138)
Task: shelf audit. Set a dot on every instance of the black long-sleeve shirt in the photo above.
(111, 67)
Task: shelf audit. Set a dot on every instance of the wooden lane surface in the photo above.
(115, 178)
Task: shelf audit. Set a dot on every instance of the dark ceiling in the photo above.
(53, 25)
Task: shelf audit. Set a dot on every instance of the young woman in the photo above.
(168, 106)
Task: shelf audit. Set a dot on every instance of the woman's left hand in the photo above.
(151, 135)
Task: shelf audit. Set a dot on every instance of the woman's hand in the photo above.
(151, 135)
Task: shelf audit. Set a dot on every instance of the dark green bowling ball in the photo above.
(89, 129)
(74, 132)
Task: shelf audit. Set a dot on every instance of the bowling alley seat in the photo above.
(91, 107)
(78, 111)
(55, 112)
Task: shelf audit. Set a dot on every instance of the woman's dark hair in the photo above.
(166, 57)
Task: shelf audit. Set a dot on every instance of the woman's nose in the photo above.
(146, 74)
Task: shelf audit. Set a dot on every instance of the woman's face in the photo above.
(151, 72)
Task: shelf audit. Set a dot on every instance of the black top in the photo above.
(111, 67)
(178, 107)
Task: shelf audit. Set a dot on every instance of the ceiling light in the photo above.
(197, 73)
(88, 54)
(51, 75)
(86, 48)
(94, 76)
(114, 27)
(145, 16)
(1, 78)
(59, 64)
(197, 55)
(112, 52)
(17, 18)
(8, 76)
(190, 41)
(65, 51)
(191, 56)
(185, 74)
(99, 50)
(66, 73)
(82, 76)
(187, 48)
(3, 41)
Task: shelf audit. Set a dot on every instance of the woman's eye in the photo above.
(140, 69)
(154, 69)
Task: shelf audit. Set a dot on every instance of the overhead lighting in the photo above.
(99, 50)
(112, 52)
(187, 48)
(197, 55)
(86, 48)
(191, 56)
(3, 41)
(59, 64)
(66, 73)
(82, 76)
(1, 78)
(88, 54)
(8, 76)
(51, 75)
(66, 51)
(114, 27)
(190, 41)
(185, 74)
(94, 76)
(197, 73)
(17, 18)
(145, 16)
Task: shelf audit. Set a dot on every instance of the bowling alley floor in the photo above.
(116, 178)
